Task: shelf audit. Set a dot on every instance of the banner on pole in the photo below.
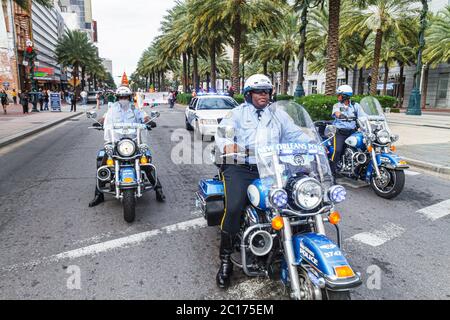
(55, 101)
(152, 99)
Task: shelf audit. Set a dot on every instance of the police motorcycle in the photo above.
(125, 164)
(282, 234)
(369, 153)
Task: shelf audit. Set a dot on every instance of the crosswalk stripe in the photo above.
(436, 211)
(376, 238)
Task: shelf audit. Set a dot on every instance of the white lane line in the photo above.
(411, 173)
(436, 211)
(124, 242)
(376, 238)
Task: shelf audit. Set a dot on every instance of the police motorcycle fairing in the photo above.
(368, 154)
(125, 162)
(282, 232)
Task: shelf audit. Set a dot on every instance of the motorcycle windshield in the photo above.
(371, 109)
(298, 152)
(118, 126)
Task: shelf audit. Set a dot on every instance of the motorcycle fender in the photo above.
(127, 173)
(318, 251)
(392, 161)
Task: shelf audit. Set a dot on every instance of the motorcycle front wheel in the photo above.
(129, 205)
(335, 295)
(390, 184)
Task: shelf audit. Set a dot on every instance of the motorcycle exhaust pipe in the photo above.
(260, 243)
(104, 174)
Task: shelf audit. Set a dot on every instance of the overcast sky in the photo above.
(126, 28)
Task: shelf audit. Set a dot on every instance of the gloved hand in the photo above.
(343, 116)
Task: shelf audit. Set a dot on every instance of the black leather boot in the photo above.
(226, 266)
(160, 197)
(99, 198)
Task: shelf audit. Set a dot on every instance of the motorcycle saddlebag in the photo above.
(210, 199)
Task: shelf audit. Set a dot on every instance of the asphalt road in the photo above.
(49, 236)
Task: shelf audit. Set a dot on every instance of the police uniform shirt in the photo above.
(244, 120)
(350, 111)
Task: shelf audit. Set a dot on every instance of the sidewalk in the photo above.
(424, 140)
(15, 125)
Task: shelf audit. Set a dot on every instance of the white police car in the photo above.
(205, 112)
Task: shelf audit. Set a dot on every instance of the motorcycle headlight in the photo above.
(109, 149)
(143, 148)
(395, 137)
(278, 198)
(307, 193)
(383, 137)
(126, 148)
(337, 194)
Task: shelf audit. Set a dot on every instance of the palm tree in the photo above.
(240, 17)
(381, 17)
(332, 46)
(76, 51)
(438, 39)
(25, 4)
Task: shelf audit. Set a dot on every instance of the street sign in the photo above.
(55, 101)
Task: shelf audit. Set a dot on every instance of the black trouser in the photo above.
(73, 106)
(237, 178)
(25, 106)
(338, 144)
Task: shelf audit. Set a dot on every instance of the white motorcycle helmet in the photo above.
(257, 82)
(123, 92)
(345, 90)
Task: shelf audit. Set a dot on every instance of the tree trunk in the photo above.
(332, 47)
(213, 67)
(195, 77)
(300, 91)
(386, 75)
(346, 76)
(284, 84)
(243, 75)
(265, 68)
(401, 90)
(185, 87)
(146, 83)
(208, 81)
(189, 75)
(376, 62)
(355, 75)
(361, 82)
(237, 30)
(425, 87)
(159, 81)
(83, 80)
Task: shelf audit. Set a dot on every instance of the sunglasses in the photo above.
(261, 91)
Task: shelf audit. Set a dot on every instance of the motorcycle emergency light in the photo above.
(337, 194)
(277, 223)
(344, 272)
(369, 148)
(393, 148)
(334, 217)
(110, 162)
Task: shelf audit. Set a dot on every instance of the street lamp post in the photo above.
(414, 106)
(30, 56)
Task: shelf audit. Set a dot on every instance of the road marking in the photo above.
(376, 238)
(411, 173)
(124, 242)
(436, 211)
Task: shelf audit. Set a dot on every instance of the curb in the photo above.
(22, 135)
(428, 166)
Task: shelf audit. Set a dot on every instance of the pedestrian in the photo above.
(171, 99)
(25, 100)
(83, 95)
(41, 100)
(97, 98)
(231, 91)
(73, 102)
(4, 99)
(14, 96)
(46, 99)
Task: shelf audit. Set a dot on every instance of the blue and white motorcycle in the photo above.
(282, 234)
(369, 153)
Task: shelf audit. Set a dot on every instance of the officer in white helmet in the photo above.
(243, 123)
(343, 113)
(124, 111)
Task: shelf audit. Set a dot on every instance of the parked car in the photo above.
(92, 96)
(205, 112)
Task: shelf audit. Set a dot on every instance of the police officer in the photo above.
(127, 112)
(244, 121)
(342, 111)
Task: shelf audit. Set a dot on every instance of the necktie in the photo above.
(259, 112)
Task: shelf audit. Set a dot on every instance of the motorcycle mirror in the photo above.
(330, 131)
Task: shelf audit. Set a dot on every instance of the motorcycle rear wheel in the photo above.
(129, 205)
